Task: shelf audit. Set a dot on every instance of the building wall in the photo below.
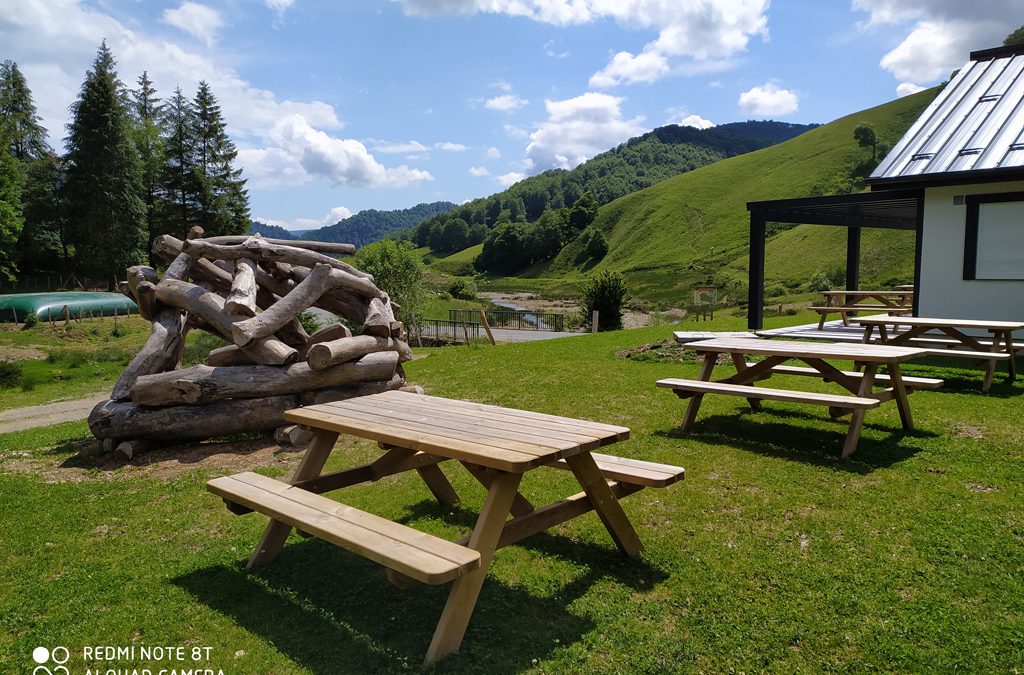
(943, 291)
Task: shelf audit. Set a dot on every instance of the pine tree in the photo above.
(11, 221)
(104, 184)
(18, 115)
(148, 133)
(45, 235)
(180, 175)
(224, 203)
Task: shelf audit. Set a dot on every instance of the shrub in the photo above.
(309, 322)
(10, 373)
(118, 330)
(606, 294)
(462, 289)
(31, 320)
(398, 271)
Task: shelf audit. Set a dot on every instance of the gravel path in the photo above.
(18, 419)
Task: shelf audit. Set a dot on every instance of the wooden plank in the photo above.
(693, 406)
(968, 354)
(857, 418)
(480, 431)
(520, 504)
(439, 485)
(605, 504)
(799, 350)
(499, 419)
(912, 382)
(378, 429)
(934, 322)
(621, 432)
(633, 471)
(770, 394)
(415, 554)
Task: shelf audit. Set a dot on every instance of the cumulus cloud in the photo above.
(332, 217)
(578, 128)
(907, 88)
(279, 6)
(698, 30)
(941, 34)
(493, 153)
(512, 131)
(695, 121)
(200, 21)
(393, 148)
(479, 171)
(450, 147)
(510, 178)
(505, 103)
(768, 99)
(625, 68)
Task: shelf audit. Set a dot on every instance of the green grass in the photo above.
(772, 555)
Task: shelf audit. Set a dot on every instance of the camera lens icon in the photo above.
(42, 655)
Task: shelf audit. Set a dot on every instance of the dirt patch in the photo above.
(30, 417)
(21, 354)
(967, 431)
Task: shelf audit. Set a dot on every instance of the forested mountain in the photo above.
(270, 231)
(534, 219)
(372, 225)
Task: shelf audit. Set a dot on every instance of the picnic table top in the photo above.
(804, 350)
(501, 438)
(936, 322)
(868, 293)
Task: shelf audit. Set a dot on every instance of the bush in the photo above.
(31, 320)
(118, 330)
(462, 289)
(398, 271)
(10, 373)
(309, 322)
(606, 294)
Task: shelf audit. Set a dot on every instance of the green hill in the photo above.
(366, 227)
(673, 235)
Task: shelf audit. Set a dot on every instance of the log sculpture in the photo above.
(248, 291)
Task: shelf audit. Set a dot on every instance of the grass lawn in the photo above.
(773, 554)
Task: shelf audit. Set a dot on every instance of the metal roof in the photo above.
(976, 123)
(896, 209)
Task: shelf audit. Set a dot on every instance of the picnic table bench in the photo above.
(861, 397)
(845, 303)
(956, 343)
(417, 433)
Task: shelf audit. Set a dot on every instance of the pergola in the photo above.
(892, 209)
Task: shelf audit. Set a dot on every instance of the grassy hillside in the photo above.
(670, 236)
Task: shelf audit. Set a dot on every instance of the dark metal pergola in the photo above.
(892, 209)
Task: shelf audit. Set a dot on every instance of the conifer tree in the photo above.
(18, 115)
(180, 174)
(103, 186)
(148, 133)
(11, 180)
(223, 201)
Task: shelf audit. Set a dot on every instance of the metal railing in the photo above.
(512, 319)
(445, 331)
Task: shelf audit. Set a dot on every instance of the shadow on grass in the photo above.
(88, 454)
(812, 445)
(333, 612)
(958, 379)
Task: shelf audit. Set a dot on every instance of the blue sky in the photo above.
(339, 106)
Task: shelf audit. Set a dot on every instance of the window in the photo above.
(994, 241)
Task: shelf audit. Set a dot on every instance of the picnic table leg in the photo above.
(605, 504)
(902, 402)
(694, 405)
(990, 369)
(740, 361)
(311, 465)
(857, 418)
(465, 590)
(438, 484)
(520, 504)
(1012, 365)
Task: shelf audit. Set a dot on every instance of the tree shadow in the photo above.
(333, 612)
(817, 446)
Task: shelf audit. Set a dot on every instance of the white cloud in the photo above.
(941, 34)
(479, 171)
(625, 68)
(505, 103)
(493, 153)
(200, 21)
(336, 214)
(279, 6)
(550, 49)
(512, 131)
(393, 148)
(579, 128)
(501, 84)
(510, 178)
(332, 217)
(768, 99)
(699, 30)
(450, 147)
(907, 88)
(695, 121)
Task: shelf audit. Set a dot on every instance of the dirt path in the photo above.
(18, 419)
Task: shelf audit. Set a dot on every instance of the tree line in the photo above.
(134, 167)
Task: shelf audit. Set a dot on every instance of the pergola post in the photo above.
(853, 258)
(755, 282)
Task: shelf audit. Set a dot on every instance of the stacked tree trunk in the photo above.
(250, 292)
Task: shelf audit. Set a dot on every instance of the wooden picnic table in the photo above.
(956, 343)
(845, 303)
(417, 432)
(860, 385)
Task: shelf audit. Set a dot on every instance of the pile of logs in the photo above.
(250, 292)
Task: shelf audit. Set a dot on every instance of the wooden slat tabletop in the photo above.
(502, 438)
(868, 294)
(801, 350)
(885, 319)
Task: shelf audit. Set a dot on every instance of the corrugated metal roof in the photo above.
(975, 124)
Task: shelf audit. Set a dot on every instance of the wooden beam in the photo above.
(755, 280)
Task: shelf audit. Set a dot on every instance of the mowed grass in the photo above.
(773, 554)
